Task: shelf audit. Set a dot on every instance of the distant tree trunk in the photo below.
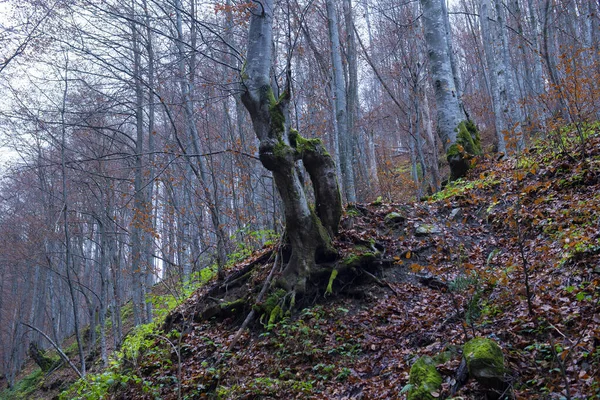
(352, 92)
(65, 212)
(341, 106)
(139, 217)
(199, 167)
(497, 73)
(453, 62)
(149, 189)
(459, 142)
(535, 34)
(549, 54)
(528, 86)
(512, 108)
(308, 231)
(115, 260)
(432, 143)
(103, 267)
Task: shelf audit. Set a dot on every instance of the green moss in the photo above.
(460, 187)
(303, 144)
(276, 315)
(275, 111)
(424, 380)
(485, 360)
(356, 260)
(454, 151)
(271, 309)
(332, 277)
(329, 250)
(468, 137)
(281, 150)
(233, 305)
(352, 212)
(459, 154)
(394, 218)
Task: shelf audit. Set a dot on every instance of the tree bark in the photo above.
(496, 72)
(459, 144)
(309, 232)
(341, 105)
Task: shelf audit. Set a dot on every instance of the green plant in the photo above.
(323, 371)
(97, 386)
(461, 186)
(24, 388)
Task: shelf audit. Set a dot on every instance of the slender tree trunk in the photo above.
(449, 113)
(352, 93)
(452, 55)
(549, 52)
(65, 212)
(199, 168)
(149, 187)
(512, 107)
(496, 70)
(340, 104)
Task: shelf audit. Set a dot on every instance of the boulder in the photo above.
(427, 229)
(425, 381)
(485, 362)
(394, 218)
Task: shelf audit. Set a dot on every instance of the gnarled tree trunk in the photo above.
(309, 231)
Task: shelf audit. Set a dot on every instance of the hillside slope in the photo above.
(511, 254)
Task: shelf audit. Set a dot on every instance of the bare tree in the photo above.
(459, 137)
(280, 147)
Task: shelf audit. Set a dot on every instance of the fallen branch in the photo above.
(60, 352)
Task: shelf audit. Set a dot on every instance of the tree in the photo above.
(342, 117)
(459, 136)
(309, 232)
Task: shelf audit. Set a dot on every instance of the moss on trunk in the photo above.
(460, 154)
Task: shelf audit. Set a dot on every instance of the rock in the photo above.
(427, 229)
(485, 362)
(394, 218)
(454, 213)
(424, 379)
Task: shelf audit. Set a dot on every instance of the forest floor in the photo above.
(511, 253)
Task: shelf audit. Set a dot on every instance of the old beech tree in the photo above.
(309, 230)
(459, 136)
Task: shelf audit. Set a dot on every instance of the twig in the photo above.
(561, 365)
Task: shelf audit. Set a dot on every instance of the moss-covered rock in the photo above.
(485, 362)
(394, 218)
(468, 136)
(424, 380)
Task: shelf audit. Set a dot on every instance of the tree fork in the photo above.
(309, 231)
